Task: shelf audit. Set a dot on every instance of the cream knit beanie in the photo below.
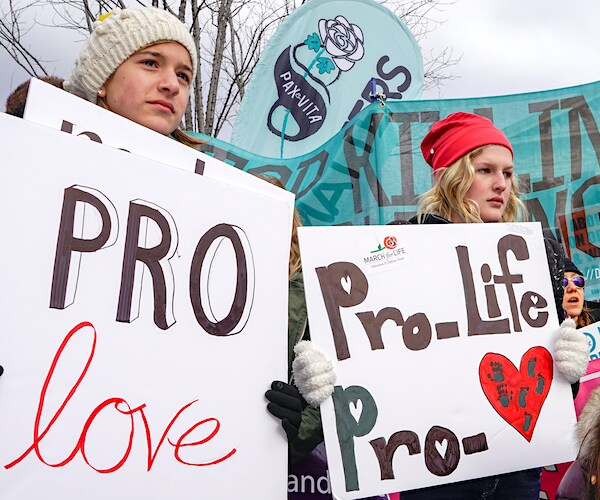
(119, 35)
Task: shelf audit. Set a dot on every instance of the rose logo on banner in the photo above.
(316, 72)
(339, 39)
(344, 41)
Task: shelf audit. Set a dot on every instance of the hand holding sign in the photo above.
(313, 373)
(286, 403)
(572, 351)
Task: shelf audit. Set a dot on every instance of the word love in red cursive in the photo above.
(121, 406)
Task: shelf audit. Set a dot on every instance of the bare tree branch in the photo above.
(12, 33)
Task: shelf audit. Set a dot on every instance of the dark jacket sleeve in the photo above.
(573, 484)
(297, 317)
(310, 433)
(556, 266)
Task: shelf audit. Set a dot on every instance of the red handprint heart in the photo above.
(517, 395)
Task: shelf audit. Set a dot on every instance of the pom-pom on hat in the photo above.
(570, 267)
(458, 134)
(117, 36)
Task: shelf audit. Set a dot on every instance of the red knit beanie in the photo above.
(458, 134)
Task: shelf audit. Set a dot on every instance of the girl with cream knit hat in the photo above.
(139, 63)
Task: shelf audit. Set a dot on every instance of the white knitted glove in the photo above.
(571, 351)
(313, 373)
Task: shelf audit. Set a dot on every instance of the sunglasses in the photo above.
(578, 281)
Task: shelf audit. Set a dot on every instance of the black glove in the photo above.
(556, 266)
(286, 403)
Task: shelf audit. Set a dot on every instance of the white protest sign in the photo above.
(144, 315)
(441, 338)
(57, 109)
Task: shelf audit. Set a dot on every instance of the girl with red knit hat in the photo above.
(473, 170)
(474, 181)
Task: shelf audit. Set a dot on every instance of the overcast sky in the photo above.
(516, 46)
(507, 47)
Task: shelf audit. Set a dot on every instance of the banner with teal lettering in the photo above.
(372, 170)
(316, 72)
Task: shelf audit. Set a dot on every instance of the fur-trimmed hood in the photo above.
(586, 430)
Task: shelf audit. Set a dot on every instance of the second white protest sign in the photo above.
(442, 339)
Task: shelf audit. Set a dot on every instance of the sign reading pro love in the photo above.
(144, 313)
(442, 339)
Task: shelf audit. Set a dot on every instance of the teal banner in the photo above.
(319, 70)
(371, 171)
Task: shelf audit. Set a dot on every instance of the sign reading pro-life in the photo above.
(442, 340)
(143, 316)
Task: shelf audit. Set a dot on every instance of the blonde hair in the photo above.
(295, 263)
(447, 196)
(186, 139)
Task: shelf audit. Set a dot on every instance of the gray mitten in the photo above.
(571, 351)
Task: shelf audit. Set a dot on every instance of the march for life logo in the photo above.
(383, 251)
(316, 73)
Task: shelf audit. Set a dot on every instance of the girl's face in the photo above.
(492, 183)
(151, 87)
(573, 297)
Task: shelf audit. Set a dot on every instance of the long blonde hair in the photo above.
(447, 196)
(295, 263)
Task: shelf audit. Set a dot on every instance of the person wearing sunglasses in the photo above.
(574, 304)
(580, 479)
